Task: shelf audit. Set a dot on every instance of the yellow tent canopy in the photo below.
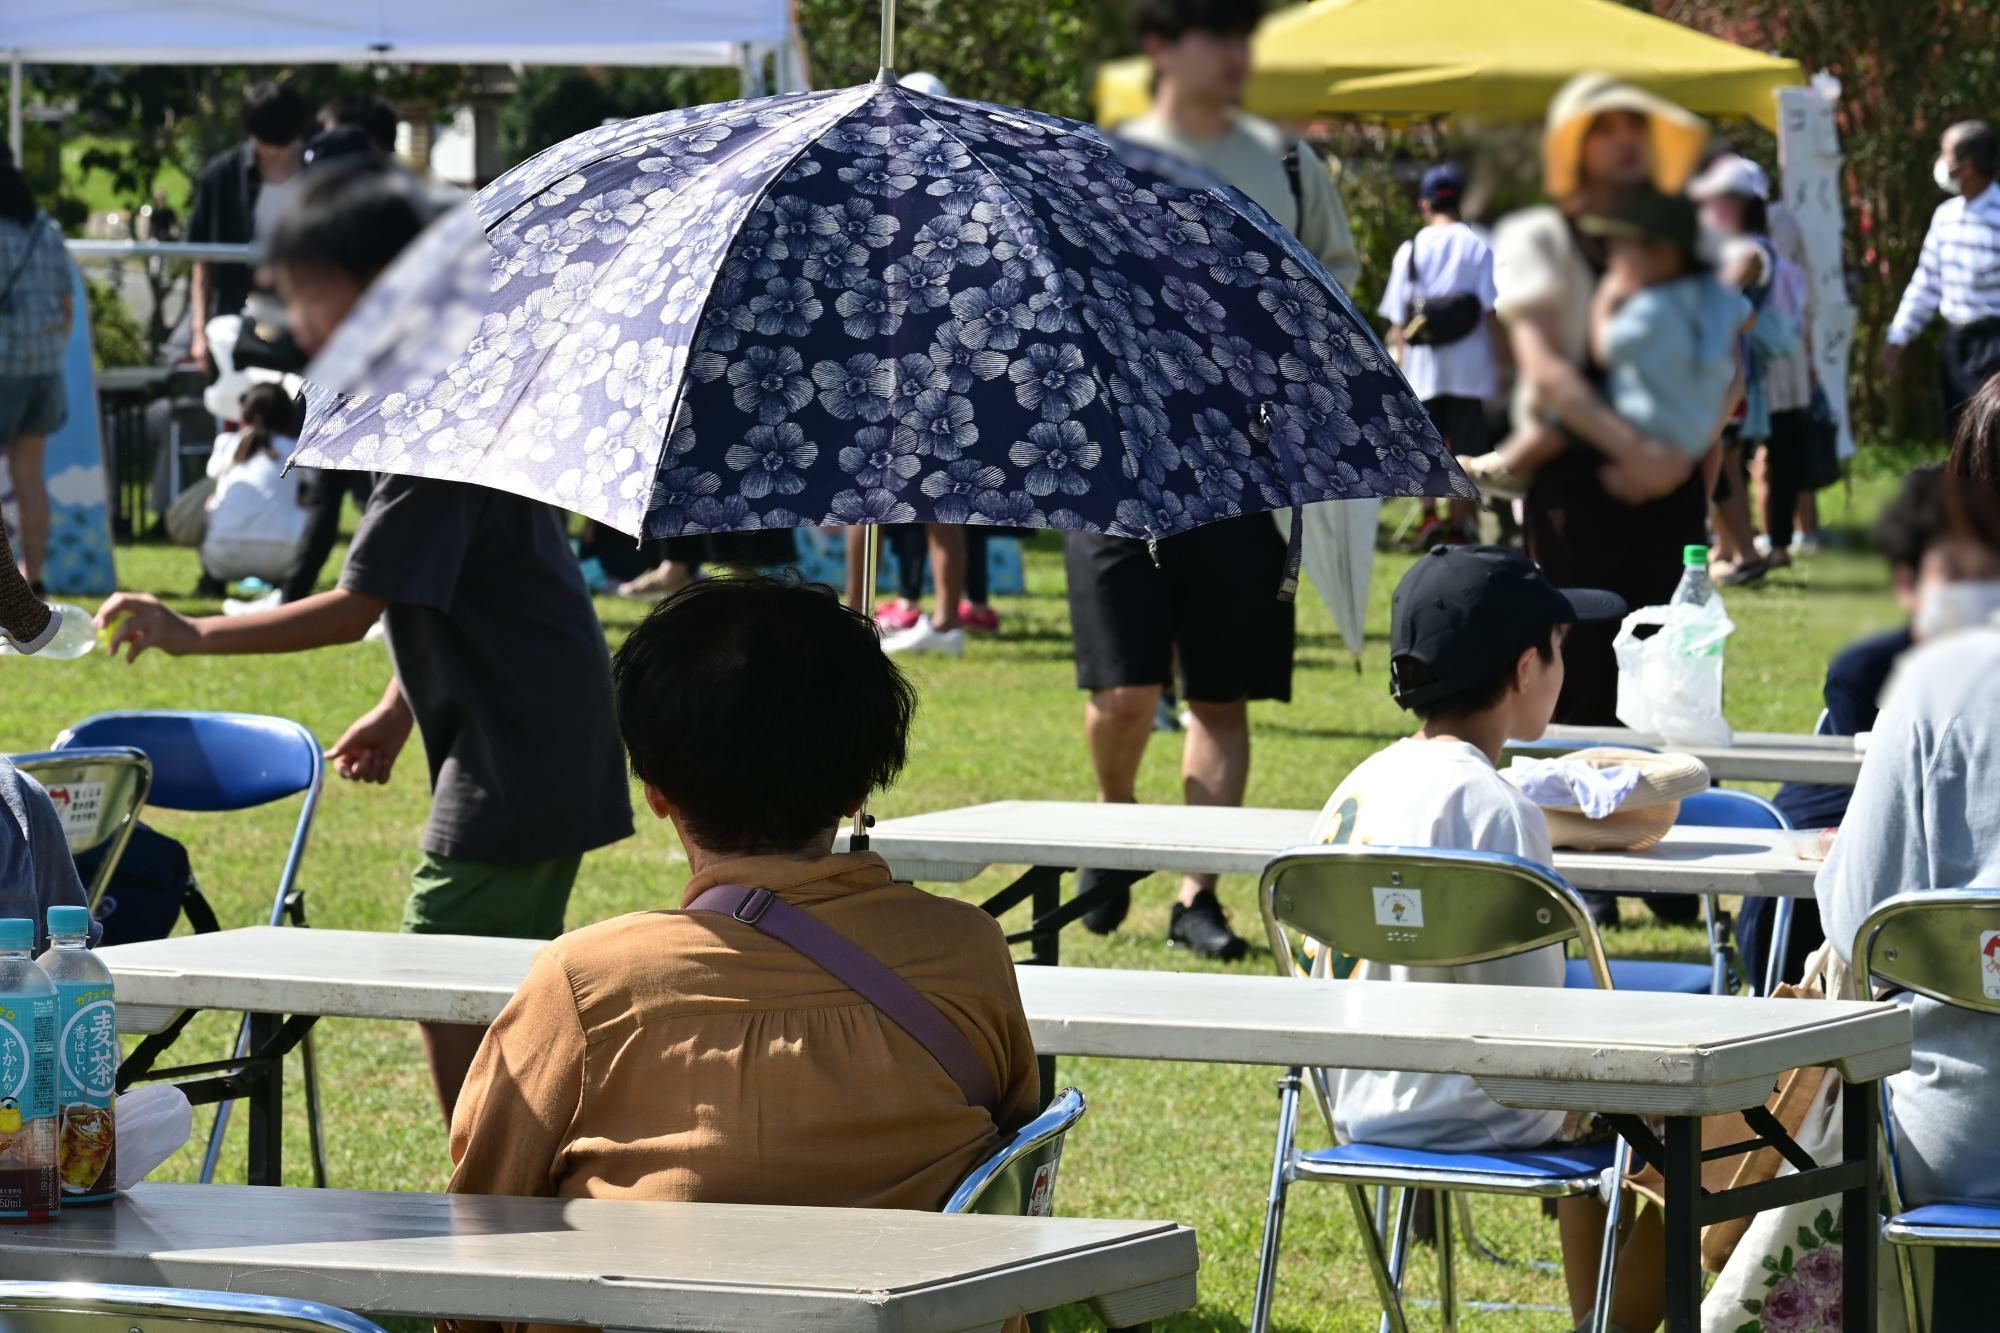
(1499, 58)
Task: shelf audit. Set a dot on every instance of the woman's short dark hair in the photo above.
(1173, 19)
(17, 199)
(763, 709)
(353, 215)
(374, 116)
(1972, 471)
(275, 113)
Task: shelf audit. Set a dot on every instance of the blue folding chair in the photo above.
(1928, 943)
(99, 1307)
(222, 762)
(1718, 807)
(1478, 906)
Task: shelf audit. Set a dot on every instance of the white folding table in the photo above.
(613, 1264)
(1622, 1053)
(1752, 756)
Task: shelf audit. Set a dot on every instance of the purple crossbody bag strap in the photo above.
(858, 970)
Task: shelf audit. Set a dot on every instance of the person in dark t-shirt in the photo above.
(500, 662)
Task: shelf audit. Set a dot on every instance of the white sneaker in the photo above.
(232, 606)
(1806, 543)
(1762, 541)
(922, 637)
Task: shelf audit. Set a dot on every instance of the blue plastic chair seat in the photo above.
(1950, 1217)
(1643, 975)
(1525, 1165)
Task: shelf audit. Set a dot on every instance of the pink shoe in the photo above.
(894, 614)
(982, 619)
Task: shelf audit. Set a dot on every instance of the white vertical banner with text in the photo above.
(1809, 155)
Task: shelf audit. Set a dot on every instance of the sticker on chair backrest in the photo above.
(1399, 907)
(81, 805)
(1042, 1197)
(1989, 962)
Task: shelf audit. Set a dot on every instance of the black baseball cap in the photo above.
(1464, 614)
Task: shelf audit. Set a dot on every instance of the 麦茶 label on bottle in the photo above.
(86, 1086)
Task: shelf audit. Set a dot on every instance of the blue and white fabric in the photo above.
(872, 306)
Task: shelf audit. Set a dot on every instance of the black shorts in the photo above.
(1462, 422)
(1213, 596)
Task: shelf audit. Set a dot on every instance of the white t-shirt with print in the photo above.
(1449, 260)
(1444, 794)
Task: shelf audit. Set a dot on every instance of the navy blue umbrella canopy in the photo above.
(871, 306)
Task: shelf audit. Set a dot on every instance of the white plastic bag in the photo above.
(1671, 683)
(153, 1122)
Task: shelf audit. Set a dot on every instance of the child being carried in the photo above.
(1665, 329)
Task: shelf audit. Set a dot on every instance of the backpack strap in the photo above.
(1292, 176)
(865, 975)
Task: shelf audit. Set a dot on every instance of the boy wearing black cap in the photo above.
(1474, 651)
(1665, 329)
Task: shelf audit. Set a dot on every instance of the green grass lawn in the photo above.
(1186, 1142)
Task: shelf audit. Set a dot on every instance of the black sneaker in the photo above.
(1109, 911)
(1203, 927)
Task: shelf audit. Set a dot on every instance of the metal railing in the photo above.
(109, 252)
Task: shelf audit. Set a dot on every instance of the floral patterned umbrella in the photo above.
(871, 306)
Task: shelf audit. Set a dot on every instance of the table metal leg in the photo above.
(1046, 950)
(1859, 1226)
(267, 1100)
(1681, 1166)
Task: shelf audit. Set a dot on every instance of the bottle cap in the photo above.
(69, 921)
(16, 933)
(1694, 555)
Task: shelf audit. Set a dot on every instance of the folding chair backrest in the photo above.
(1941, 943)
(211, 761)
(1018, 1179)
(98, 792)
(1422, 906)
(1725, 807)
(91, 1307)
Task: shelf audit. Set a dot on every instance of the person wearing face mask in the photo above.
(1921, 819)
(1958, 272)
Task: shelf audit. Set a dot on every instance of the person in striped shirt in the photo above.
(1958, 274)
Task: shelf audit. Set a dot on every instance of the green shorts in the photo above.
(525, 902)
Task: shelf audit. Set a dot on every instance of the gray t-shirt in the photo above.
(1922, 818)
(504, 663)
(36, 871)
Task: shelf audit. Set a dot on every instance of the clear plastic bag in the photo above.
(1670, 684)
(153, 1122)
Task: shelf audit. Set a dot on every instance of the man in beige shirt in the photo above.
(691, 1056)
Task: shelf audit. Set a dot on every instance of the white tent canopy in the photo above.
(498, 32)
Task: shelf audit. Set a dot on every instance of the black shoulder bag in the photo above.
(1437, 321)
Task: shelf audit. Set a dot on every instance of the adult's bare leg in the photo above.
(25, 458)
(1117, 723)
(1215, 766)
(947, 549)
(1638, 1300)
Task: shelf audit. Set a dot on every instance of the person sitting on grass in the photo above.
(690, 1055)
(1474, 651)
(1664, 327)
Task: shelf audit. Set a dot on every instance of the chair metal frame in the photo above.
(1923, 943)
(1009, 1180)
(128, 777)
(1720, 928)
(287, 900)
(1487, 905)
(95, 1307)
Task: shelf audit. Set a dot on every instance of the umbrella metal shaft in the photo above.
(864, 604)
(887, 74)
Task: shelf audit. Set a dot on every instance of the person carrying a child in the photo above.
(1475, 651)
(1664, 328)
(1618, 506)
